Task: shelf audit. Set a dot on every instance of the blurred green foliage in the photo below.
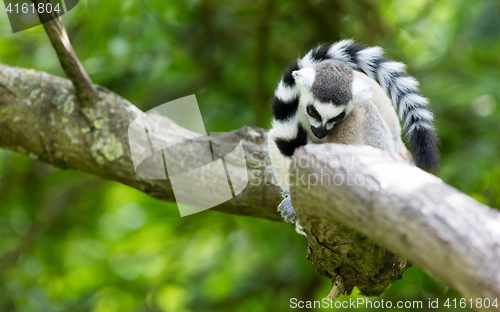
(73, 242)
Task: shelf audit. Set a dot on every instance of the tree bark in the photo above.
(372, 199)
(400, 207)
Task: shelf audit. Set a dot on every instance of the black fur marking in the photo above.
(284, 110)
(287, 147)
(376, 64)
(423, 145)
(288, 79)
(409, 106)
(321, 53)
(339, 117)
(415, 119)
(390, 84)
(352, 51)
(379, 60)
(400, 95)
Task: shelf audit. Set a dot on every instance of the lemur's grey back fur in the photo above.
(333, 83)
(410, 104)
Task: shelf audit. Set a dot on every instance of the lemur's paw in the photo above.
(286, 208)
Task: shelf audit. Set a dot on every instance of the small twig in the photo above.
(67, 57)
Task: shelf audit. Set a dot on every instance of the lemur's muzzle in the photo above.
(319, 132)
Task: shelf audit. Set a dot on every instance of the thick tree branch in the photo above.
(370, 194)
(401, 207)
(39, 117)
(67, 57)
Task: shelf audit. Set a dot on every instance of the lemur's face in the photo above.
(321, 116)
(322, 122)
(328, 93)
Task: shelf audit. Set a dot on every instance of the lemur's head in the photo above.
(328, 93)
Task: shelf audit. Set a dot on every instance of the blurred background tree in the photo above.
(70, 241)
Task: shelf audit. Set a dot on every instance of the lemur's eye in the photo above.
(339, 117)
(312, 112)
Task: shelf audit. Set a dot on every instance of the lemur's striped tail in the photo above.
(410, 104)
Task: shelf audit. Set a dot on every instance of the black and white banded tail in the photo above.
(403, 89)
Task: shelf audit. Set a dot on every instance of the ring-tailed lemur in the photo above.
(321, 99)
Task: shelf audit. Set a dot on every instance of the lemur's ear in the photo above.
(360, 90)
(304, 76)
